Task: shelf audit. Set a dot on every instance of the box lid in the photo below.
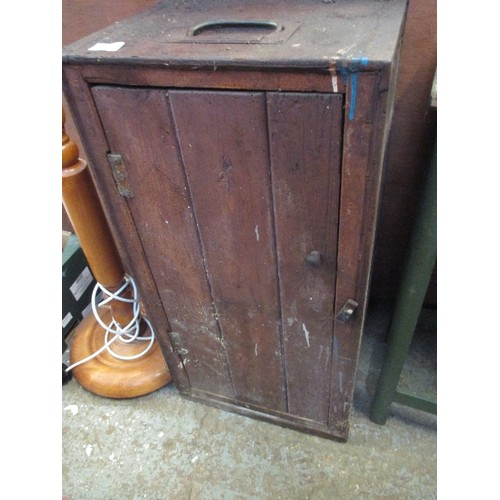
(227, 33)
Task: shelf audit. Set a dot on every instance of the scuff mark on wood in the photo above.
(306, 334)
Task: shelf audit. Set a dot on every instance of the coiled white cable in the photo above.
(127, 334)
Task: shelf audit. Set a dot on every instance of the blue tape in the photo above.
(354, 91)
(354, 84)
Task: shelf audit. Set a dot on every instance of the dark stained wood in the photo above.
(365, 135)
(305, 137)
(225, 154)
(411, 132)
(315, 35)
(164, 221)
(356, 170)
(236, 155)
(323, 80)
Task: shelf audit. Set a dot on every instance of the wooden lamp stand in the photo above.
(123, 372)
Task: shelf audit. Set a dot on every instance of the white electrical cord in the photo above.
(127, 334)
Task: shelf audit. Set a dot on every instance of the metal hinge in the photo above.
(347, 310)
(120, 174)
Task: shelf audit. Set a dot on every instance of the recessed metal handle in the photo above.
(313, 258)
(235, 24)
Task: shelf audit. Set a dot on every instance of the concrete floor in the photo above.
(162, 446)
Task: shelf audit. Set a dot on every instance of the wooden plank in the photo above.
(268, 415)
(305, 141)
(361, 172)
(163, 217)
(223, 140)
(317, 80)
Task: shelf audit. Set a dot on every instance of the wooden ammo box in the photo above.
(237, 148)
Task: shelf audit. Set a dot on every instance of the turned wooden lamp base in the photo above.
(112, 377)
(105, 374)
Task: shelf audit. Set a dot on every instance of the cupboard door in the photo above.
(235, 194)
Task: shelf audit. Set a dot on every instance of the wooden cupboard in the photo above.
(238, 153)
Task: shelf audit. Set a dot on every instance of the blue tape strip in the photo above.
(354, 84)
(354, 91)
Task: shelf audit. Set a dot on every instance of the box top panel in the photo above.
(229, 33)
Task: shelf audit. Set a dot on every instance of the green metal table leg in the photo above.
(418, 269)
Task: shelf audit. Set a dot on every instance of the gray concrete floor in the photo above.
(162, 446)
